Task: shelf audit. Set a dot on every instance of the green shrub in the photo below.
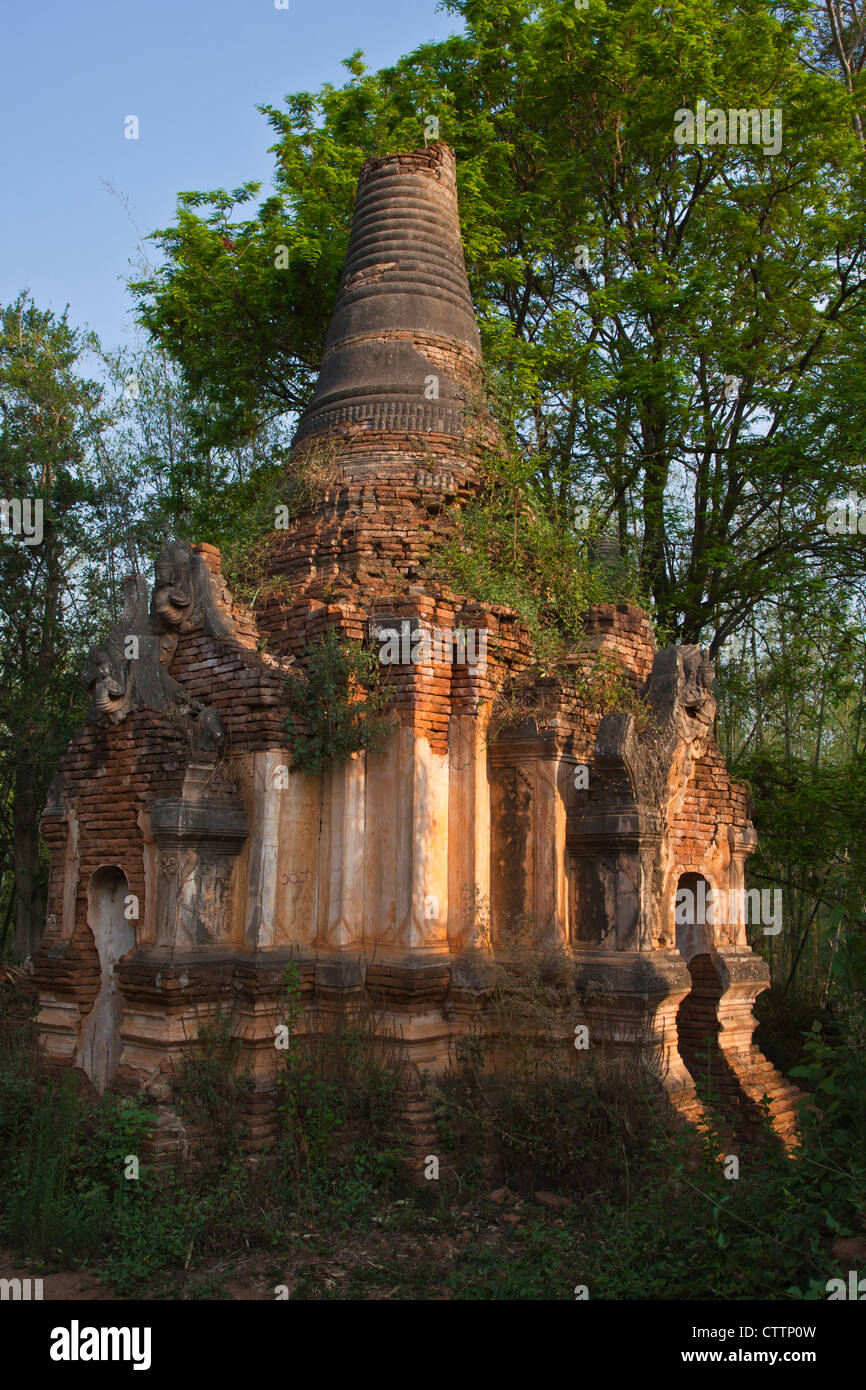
(341, 1136)
(336, 703)
(209, 1089)
(62, 1164)
(510, 547)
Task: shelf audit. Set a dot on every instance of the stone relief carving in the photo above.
(698, 677)
(186, 596)
(641, 778)
(129, 669)
(681, 691)
(681, 698)
(108, 673)
(199, 835)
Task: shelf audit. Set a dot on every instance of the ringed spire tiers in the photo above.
(403, 345)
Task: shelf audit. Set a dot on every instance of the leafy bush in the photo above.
(508, 547)
(834, 1121)
(62, 1164)
(336, 704)
(543, 1117)
(340, 1088)
(209, 1088)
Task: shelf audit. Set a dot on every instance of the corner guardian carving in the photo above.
(129, 669)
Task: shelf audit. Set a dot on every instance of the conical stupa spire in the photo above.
(403, 344)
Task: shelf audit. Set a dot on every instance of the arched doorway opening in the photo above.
(693, 933)
(99, 1044)
(697, 1016)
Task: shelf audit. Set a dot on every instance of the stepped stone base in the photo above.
(727, 1064)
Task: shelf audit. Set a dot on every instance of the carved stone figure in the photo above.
(108, 673)
(698, 678)
(105, 678)
(208, 734)
(128, 669)
(173, 602)
(185, 595)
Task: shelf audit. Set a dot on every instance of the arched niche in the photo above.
(693, 934)
(113, 935)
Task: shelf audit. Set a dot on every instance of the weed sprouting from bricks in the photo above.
(336, 702)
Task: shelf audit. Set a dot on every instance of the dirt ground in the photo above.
(80, 1286)
(74, 1286)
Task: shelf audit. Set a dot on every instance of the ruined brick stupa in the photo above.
(190, 862)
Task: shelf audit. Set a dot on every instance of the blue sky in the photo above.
(193, 72)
